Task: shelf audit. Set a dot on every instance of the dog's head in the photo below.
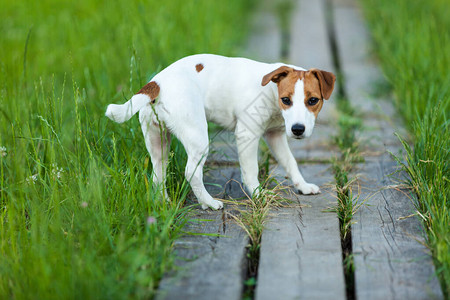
(300, 97)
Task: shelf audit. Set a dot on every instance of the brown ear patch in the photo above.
(326, 82)
(151, 89)
(199, 67)
(276, 75)
(318, 84)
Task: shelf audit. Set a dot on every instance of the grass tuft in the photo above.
(252, 220)
(349, 124)
(428, 169)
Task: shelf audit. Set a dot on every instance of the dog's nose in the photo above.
(298, 129)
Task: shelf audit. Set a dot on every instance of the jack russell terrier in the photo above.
(251, 98)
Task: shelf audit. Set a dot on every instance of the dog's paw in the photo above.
(259, 192)
(213, 204)
(308, 189)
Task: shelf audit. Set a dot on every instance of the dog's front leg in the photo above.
(277, 141)
(247, 144)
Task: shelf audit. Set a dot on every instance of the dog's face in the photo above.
(300, 97)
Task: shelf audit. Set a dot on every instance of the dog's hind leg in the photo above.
(194, 138)
(157, 141)
(247, 143)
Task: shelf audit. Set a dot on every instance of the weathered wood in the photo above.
(390, 259)
(310, 45)
(361, 75)
(222, 147)
(300, 256)
(225, 183)
(265, 41)
(318, 148)
(353, 45)
(210, 266)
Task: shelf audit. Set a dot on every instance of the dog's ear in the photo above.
(276, 75)
(326, 82)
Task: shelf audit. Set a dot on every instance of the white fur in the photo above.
(227, 91)
(298, 113)
(123, 112)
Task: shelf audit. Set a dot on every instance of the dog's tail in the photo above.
(123, 112)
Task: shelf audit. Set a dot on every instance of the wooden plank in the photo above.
(225, 183)
(353, 43)
(301, 248)
(222, 147)
(390, 259)
(210, 267)
(310, 46)
(265, 40)
(361, 74)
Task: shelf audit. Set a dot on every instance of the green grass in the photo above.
(412, 40)
(79, 217)
(349, 124)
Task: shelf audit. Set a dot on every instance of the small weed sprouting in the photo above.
(252, 220)
(249, 288)
(347, 204)
(346, 207)
(348, 126)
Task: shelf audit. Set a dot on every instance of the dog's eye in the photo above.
(313, 101)
(286, 100)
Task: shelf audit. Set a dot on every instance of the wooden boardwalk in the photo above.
(390, 261)
(300, 253)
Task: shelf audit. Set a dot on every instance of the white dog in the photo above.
(252, 98)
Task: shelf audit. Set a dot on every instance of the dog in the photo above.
(251, 98)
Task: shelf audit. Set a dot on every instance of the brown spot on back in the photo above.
(199, 67)
(151, 89)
